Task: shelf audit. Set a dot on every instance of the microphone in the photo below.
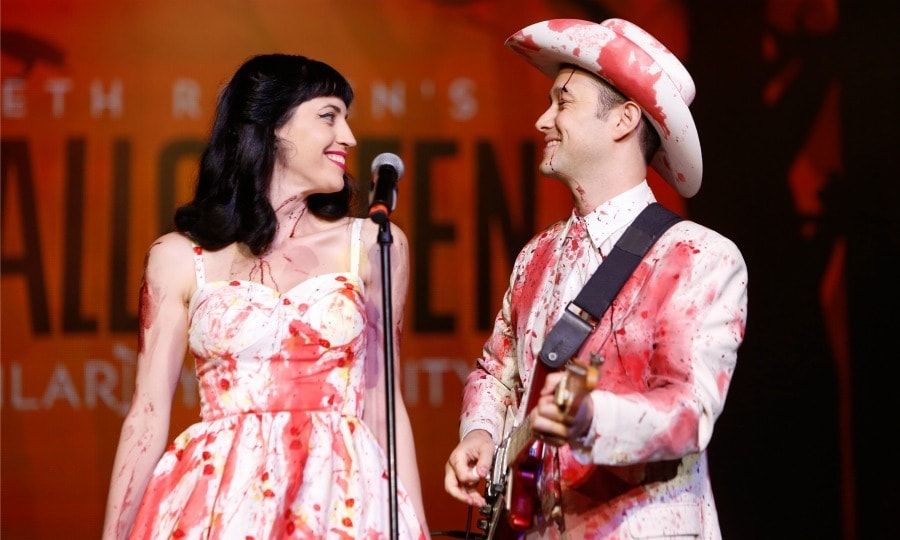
(387, 169)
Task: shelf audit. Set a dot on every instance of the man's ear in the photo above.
(628, 118)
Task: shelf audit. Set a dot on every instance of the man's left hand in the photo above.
(552, 424)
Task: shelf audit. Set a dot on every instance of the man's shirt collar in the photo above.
(616, 213)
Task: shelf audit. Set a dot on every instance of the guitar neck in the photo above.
(520, 439)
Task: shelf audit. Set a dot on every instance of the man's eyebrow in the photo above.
(556, 91)
(566, 84)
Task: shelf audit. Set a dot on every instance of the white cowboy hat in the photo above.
(641, 68)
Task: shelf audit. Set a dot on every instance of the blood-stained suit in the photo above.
(669, 344)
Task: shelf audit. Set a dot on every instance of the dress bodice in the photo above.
(260, 350)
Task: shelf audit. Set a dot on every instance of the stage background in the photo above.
(106, 104)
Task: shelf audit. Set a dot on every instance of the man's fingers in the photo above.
(458, 489)
(550, 384)
(548, 421)
(454, 487)
(457, 462)
(468, 494)
(548, 409)
(485, 458)
(548, 427)
(474, 497)
(554, 441)
(451, 484)
(462, 466)
(471, 461)
(467, 465)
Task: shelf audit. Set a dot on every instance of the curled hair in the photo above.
(231, 202)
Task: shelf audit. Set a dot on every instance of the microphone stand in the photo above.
(385, 239)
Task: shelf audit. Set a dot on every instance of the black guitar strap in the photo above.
(583, 314)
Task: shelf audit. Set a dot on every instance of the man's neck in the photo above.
(588, 195)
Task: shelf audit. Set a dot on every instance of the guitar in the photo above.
(517, 495)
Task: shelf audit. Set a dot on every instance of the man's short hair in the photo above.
(648, 138)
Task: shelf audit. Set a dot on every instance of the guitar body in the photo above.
(524, 478)
(518, 496)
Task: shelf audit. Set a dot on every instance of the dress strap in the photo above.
(355, 245)
(199, 269)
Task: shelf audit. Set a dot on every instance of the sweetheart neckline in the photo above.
(278, 294)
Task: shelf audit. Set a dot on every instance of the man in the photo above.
(618, 104)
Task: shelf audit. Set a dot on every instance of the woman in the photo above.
(271, 286)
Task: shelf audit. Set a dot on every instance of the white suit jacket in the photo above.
(669, 343)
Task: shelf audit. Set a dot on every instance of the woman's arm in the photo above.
(168, 281)
(407, 467)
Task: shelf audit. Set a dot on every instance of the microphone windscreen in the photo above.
(388, 158)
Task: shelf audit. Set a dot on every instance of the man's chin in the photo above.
(547, 169)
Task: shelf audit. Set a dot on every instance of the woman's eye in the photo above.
(328, 116)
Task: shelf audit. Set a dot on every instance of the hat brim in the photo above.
(616, 58)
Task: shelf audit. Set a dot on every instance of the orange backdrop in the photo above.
(105, 106)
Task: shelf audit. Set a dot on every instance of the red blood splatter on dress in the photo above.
(273, 397)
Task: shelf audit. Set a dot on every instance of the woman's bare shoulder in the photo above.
(170, 248)
(369, 234)
(170, 262)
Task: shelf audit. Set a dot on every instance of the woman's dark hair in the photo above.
(231, 202)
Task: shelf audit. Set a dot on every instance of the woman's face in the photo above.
(312, 146)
